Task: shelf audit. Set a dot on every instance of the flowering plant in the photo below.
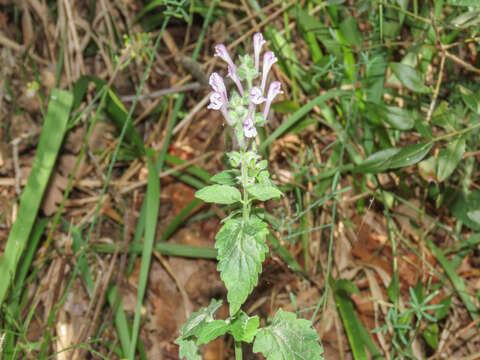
(241, 242)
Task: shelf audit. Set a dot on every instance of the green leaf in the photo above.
(241, 251)
(467, 19)
(226, 177)
(263, 192)
(410, 155)
(49, 145)
(398, 118)
(244, 328)
(376, 162)
(288, 338)
(195, 323)
(449, 158)
(440, 313)
(430, 334)
(466, 207)
(350, 32)
(188, 349)
(220, 194)
(470, 99)
(197, 326)
(409, 77)
(212, 330)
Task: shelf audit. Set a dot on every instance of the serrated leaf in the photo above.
(288, 338)
(193, 326)
(212, 330)
(220, 194)
(244, 328)
(193, 329)
(409, 77)
(241, 251)
(449, 158)
(263, 192)
(226, 177)
(188, 349)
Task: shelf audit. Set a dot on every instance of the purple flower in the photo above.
(217, 84)
(219, 97)
(256, 95)
(257, 48)
(249, 129)
(222, 52)
(232, 72)
(273, 91)
(216, 101)
(268, 60)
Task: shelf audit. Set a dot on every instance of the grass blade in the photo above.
(51, 139)
(153, 204)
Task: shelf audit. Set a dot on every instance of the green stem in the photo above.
(238, 350)
(244, 174)
(455, 133)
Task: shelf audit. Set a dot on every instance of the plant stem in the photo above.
(244, 174)
(238, 350)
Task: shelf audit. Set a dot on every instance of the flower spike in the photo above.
(257, 48)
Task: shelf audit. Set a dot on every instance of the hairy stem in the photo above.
(238, 350)
(244, 175)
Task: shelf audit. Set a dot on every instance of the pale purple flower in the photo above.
(268, 60)
(232, 72)
(222, 52)
(249, 129)
(217, 84)
(273, 91)
(257, 48)
(256, 95)
(218, 98)
(216, 101)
